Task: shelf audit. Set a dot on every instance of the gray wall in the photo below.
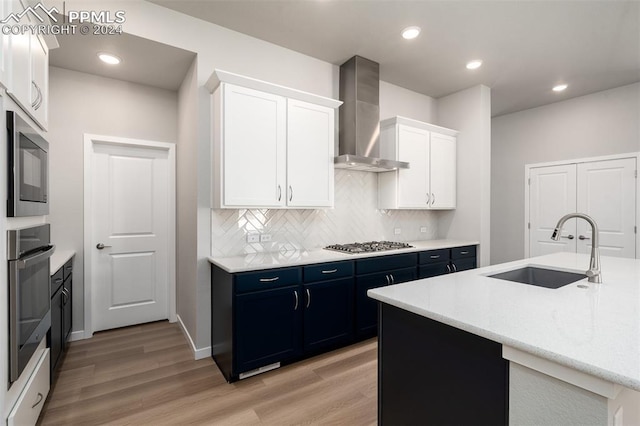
(602, 123)
(186, 188)
(469, 112)
(81, 103)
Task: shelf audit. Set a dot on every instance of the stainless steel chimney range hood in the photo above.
(359, 134)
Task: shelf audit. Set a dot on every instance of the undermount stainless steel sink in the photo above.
(549, 278)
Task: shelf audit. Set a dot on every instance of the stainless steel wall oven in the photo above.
(29, 250)
(28, 169)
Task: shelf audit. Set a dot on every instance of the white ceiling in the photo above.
(143, 61)
(527, 46)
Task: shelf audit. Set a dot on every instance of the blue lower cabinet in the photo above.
(367, 308)
(267, 327)
(328, 314)
(281, 315)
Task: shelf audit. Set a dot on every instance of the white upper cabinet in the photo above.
(26, 68)
(310, 152)
(253, 151)
(430, 181)
(273, 147)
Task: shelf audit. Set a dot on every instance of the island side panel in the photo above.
(538, 399)
(431, 373)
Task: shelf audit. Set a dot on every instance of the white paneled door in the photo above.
(605, 190)
(552, 195)
(131, 223)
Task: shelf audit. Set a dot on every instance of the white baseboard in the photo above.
(197, 353)
(77, 335)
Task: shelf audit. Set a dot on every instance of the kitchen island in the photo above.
(468, 348)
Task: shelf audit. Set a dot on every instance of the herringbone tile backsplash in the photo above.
(355, 217)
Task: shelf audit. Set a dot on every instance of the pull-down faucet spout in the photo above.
(593, 273)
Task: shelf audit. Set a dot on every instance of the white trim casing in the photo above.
(89, 140)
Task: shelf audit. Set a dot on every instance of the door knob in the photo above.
(100, 246)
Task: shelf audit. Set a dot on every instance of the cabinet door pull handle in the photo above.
(428, 199)
(290, 193)
(454, 267)
(40, 398)
(330, 271)
(388, 280)
(269, 280)
(393, 280)
(101, 246)
(582, 237)
(464, 252)
(65, 297)
(40, 98)
(448, 268)
(437, 256)
(295, 293)
(279, 193)
(570, 237)
(308, 298)
(433, 198)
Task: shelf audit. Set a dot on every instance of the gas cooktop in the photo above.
(370, 246)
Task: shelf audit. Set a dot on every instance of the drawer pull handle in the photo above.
(40, 398)
(58, 280)
(435, 256)
(269, 280)
(68, 268)
(464, 252)
(331, 271)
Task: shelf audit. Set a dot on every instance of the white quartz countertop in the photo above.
(59, 258)
(261, 261)
(595, 329)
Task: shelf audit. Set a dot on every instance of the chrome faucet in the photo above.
(593, 273)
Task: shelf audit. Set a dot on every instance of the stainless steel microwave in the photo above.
(28, 169)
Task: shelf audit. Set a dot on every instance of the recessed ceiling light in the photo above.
(410, 32)
(108, 58)
(559, 87)
(475, 64)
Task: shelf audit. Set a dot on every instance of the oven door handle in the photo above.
(25, 263)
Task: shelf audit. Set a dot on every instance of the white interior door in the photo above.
(607, 193)
(552, 194)
(131, 204)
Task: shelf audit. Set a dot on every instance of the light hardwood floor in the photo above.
(146, 375)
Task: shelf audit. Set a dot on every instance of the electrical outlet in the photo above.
(397, 231)
(253, 238)
(265, 238)
(423, 229)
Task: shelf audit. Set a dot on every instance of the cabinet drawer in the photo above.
(31, 400)
(269, 278)
(56, 280)
(386, 263)
(433, 256)
(463, 252)
(327, 271)
(68, 268)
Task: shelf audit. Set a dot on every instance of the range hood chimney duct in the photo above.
(359, 135)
